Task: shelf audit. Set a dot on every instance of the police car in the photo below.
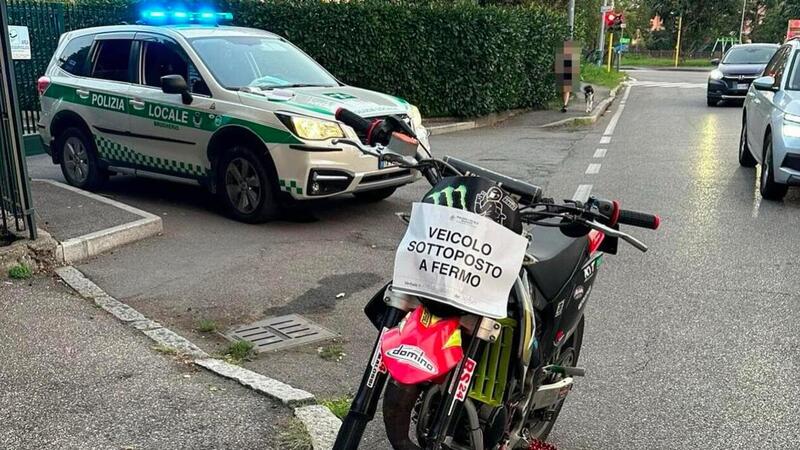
(238, 110)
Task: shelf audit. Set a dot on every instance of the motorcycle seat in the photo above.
(557, 257)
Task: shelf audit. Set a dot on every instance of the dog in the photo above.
(588, 95)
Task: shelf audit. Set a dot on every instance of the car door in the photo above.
(763, 102)
(104, 93)
(171, 135)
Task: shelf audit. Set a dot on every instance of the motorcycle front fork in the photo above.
(365, 403)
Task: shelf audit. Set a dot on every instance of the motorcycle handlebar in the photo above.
(639, 219)
(358, 123)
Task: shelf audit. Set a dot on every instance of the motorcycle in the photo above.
(457, 371)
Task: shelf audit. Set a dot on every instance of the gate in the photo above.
(16, 207)
(46, 21)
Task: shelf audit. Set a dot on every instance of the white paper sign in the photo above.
(20, 42)
(458, 258)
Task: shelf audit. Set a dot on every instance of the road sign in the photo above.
(606, 9)
(20, 42)
(625, 40)
(793, 29)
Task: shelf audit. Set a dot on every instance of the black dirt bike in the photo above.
(453, 379)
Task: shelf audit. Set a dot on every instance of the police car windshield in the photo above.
(750, 55)
(242, 61)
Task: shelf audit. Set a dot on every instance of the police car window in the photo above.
(240, 61)
(73, 58)
(162, 59)
(112, 59)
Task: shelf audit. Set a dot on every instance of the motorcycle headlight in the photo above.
(716, 74)
(416, 117)
(791, 125)
(314, 129)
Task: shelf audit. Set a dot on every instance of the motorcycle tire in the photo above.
(577, 340)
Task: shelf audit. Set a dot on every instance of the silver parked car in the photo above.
(771, 123)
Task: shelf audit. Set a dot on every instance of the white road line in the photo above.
(593, 169)
(627, 93)
(605, 140)
(600, 153)
(612, 125)
(582, 193)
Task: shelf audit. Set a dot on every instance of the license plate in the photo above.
(743, 86)
(386, 164)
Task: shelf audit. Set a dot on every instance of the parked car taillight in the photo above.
(41, 84)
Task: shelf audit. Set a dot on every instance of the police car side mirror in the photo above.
(176, 84)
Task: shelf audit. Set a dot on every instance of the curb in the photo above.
(481, 122)
(322, 425)
(601, 109)
(93, 244)
(452, 127)
(670, 69)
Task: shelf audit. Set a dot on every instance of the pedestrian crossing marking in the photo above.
(668, 84)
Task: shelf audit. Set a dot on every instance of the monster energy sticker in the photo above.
(458, 258)
(445, 196)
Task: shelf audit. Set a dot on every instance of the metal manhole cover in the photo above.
(279, 333)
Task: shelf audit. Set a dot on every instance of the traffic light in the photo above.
(614, 20)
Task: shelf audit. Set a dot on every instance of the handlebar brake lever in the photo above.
(641, 246)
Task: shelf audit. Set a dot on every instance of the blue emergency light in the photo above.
(164, 17)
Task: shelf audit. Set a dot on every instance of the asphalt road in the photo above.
(692, 344)
(72, 377)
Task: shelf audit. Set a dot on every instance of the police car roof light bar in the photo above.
(164, 17)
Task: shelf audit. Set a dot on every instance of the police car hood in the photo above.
(324, 101)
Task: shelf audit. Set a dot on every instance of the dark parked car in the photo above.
(739, 67)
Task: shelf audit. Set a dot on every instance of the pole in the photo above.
(678, 46)
(571, 19)
(602, 40)
(610, 51)
(741, 27)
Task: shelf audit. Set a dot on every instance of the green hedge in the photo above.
(451, 59)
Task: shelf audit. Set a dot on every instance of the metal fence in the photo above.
(16, 207)
(46, 21)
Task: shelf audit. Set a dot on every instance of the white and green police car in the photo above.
(241, 111)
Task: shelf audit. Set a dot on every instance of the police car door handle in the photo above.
(137, 104)
(81, 93)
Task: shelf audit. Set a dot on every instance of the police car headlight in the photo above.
(416, 117)
(791, 125)
(716, 74)
(315, 129)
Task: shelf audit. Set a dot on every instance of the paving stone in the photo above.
(268, 386)
(321, 424)
(171, 339)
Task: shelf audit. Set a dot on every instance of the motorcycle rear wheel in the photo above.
(540, 429)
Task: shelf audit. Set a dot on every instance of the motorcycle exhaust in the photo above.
(550, 394)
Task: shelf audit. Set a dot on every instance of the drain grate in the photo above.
(280, 333)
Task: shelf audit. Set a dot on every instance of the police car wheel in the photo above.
(79, 161)
(244, 186)
(375, 195)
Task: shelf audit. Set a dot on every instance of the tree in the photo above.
(703, 22)
(773, 26)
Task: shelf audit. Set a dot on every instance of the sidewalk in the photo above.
(576, 111)
(73, 377)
